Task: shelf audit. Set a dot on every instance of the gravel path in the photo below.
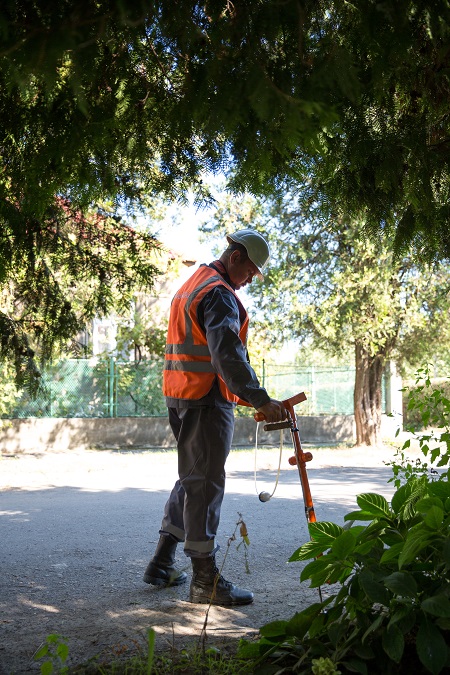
(77, 529)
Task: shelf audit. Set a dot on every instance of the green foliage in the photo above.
(125, 99)
(134, 386)
(404, 468)
(431, 405)
(118, 102)
(192, 660)
(393, 604)
(56, 652)
(429, 400)
(9, 395)
(343, 291)
(414, 398)
(428, 407)
(391, 610)
(70, 269)
(146, 340)
(385, 116)
(140, 380)
(322, 666)
(151, 636)
(335, 285)
(67, 389)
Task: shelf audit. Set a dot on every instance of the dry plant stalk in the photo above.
(245, 540)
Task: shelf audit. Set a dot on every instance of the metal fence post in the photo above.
(115, 394)
(111, 387)
(313, 390)
(334, 391)
(51, 388)
(105, 403)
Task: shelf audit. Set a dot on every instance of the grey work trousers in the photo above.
(192, 512)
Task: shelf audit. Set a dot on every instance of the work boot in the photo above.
(161, 570)
(204, 588)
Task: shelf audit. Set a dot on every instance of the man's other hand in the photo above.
(274, 411)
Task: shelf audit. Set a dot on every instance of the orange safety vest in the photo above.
(188, 371)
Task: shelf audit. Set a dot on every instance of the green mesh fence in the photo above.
(91, 388)
(110, 388)
(328, 390)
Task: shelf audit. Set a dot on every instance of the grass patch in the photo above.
(192, 661)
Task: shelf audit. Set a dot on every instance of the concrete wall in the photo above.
(313, 429)
(38, 435)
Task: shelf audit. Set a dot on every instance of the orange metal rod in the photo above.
(300, 457)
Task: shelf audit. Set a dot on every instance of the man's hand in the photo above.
(274, 411)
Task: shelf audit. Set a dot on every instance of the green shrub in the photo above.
(392, 611)
(426, 403)
(55, 652)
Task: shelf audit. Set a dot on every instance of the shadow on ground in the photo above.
(72, 560)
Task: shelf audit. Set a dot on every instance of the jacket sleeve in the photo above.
(218, 314)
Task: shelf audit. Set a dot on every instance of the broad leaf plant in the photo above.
(386, 575)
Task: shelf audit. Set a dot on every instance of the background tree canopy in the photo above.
(123, 101)
(70, 269)
(351, 294)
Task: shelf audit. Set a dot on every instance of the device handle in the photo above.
(288, 404)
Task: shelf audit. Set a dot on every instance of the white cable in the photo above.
(265, 496)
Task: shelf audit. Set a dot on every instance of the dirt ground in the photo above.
(78, 528)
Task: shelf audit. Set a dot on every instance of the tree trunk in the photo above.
(367, 396)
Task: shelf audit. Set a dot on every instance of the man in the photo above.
(206, 373)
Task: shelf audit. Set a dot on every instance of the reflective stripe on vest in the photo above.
(188, 371)
(192, 366)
